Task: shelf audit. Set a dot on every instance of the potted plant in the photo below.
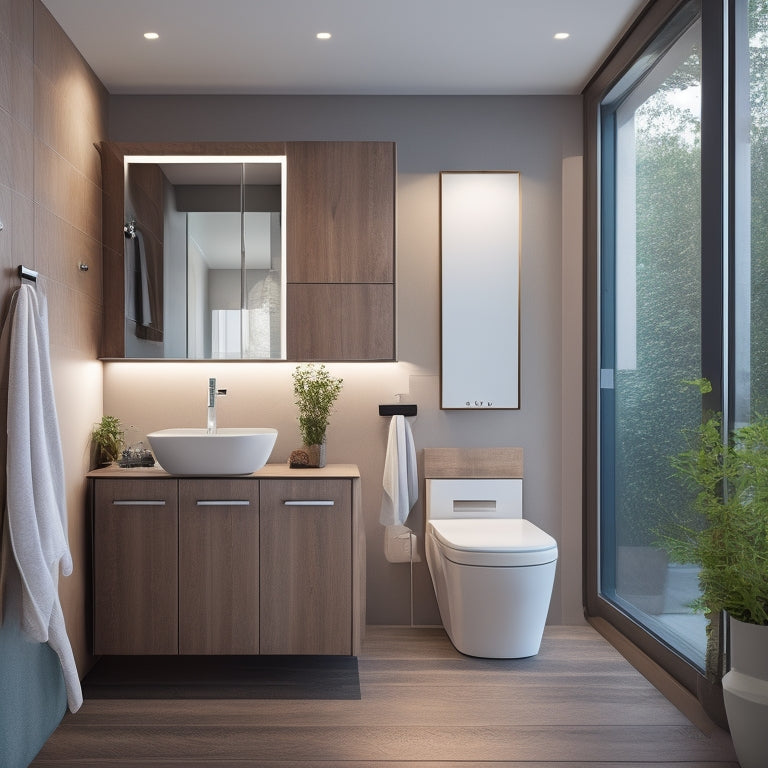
(109, 437)
(730, 545)
(316, 392)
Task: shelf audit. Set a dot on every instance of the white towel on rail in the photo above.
(35, 490)
(401, 483)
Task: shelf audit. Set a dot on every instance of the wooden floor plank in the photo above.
(395, 705)
(186, 763)
(577, 704)
(401, 743)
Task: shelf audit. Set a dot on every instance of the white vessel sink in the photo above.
(228, 451)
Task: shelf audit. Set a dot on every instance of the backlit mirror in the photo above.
(480, 289)
(205, 257)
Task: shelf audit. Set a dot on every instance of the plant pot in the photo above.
(745, 690)
(316, 454)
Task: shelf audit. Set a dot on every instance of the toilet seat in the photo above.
(493, 542)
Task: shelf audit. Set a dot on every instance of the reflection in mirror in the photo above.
(205, 257)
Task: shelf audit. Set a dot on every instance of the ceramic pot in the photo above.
(745, 691)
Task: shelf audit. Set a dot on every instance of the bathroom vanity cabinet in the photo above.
(271, 563)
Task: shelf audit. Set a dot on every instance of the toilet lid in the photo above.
(494, 541)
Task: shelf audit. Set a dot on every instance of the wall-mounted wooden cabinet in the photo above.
(340, 245)
(271, 565)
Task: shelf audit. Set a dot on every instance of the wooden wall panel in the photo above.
(52, 110)
(473, 462)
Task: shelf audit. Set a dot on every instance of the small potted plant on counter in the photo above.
(109, 437)
(316, 391)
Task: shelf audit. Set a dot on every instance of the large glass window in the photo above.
(676, 289)
(651, 336)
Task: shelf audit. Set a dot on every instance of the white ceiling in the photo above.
(419, 47)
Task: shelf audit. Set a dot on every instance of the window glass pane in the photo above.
(653, 322)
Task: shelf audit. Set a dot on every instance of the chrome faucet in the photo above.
(213, 393)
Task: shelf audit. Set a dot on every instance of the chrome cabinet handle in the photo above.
(138, 503)
(309, 503)
(223, 503)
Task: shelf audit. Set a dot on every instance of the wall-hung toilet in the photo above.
(492, 571)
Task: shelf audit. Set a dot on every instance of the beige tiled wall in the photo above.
(52, 111)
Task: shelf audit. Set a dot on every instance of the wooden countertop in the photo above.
(282, 471)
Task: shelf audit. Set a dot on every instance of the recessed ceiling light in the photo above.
(151, 35)
(562, 35)
(323, 35)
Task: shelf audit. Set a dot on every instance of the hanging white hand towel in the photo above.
(35, 489)
(401, 484)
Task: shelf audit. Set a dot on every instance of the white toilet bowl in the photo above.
(492, 571)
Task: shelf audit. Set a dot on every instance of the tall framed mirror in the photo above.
(480, 289)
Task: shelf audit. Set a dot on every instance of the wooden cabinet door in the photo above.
(218, 566)
(306, 566)
(341, 322)
(341, 211)
(135, 566)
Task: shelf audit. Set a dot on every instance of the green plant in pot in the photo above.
(316, 392)
(109, 438)
(730, 545)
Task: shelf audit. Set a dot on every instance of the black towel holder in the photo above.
(398, 409)
(25, 273)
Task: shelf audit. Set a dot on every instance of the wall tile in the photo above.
(72, 139)
(16, 239)
(59, 250)
(16, 19)
(7, 254)
(74, 320)
(15, 155)
(64, 191)
(54, 53)
(16, 62)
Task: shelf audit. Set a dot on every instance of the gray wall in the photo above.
(530, 134)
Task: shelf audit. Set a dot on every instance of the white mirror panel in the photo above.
(480, 289)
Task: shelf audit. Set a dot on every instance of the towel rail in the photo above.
(25, 273)
(398, 409)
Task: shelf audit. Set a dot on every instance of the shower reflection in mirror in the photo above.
(207, 262)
